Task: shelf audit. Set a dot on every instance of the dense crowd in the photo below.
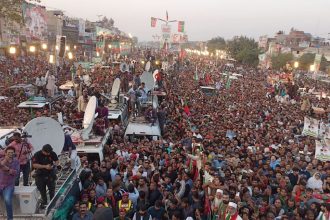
(237, 153)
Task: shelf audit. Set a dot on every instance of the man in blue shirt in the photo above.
(157, 212)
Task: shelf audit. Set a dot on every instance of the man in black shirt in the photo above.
(45, 162)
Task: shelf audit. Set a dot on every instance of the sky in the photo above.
(205, 19)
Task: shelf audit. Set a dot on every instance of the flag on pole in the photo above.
(181, 26)
(196, 75)
(228, 82)
(153, 22)
(166, 16)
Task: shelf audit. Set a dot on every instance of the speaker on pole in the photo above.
(62, 46)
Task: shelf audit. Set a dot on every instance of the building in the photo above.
(54, 25)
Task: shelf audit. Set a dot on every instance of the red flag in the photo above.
(187, 110)
(153, 22)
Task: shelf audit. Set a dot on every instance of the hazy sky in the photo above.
(205, 19)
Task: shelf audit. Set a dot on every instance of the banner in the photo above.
(322, 150)
(179, 38)
(35, 18)
(324, 130)
(153, 22)
(311, 127)
(181, 26)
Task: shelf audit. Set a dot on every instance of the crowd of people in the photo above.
(237, 153)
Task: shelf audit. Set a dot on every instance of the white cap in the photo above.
(232, 204)
(189, 218)
(219, 191)
(266, 150)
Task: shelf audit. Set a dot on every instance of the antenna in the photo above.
(45, 130)
(89, 118)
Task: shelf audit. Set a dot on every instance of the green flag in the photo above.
(196, 75)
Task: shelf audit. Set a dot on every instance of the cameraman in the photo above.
(45, 162)
(22, 149)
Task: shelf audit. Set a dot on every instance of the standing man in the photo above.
(70, 148)
(9, 168)
(45, 162)
(83, 213)
(51, 85)
(23, 149)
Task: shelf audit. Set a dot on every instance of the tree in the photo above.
(306, 60)
(245, 50)
(217, 43)
(12, 10)
(279, 61)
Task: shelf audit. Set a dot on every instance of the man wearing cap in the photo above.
(232, 213)
(126, 203)
(45, 162)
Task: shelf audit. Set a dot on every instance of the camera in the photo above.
(26, 135)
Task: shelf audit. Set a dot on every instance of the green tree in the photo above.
(243, 49)
(279, 61)
(12, 10)
(306, 60)
(217, 43)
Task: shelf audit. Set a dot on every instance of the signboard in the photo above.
(166, 35)
(103, 31)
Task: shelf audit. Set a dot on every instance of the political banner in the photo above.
(35, 18)
(324, 130)
(322, 150)
(166, 28)
(311, 127)
(153, 22)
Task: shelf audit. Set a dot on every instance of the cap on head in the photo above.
(232, 204)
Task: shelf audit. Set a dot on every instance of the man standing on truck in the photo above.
(23, 149)
(45, 162)
(9, 169)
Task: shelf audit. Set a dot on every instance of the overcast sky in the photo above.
(205, 19)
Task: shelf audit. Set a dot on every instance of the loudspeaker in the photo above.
(62, 46)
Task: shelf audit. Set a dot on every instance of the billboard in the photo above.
(35, 19)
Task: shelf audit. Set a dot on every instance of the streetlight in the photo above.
(74, 47)
(312, 68)
(97, 54)
(32, 49)
(67, 48)
(109, 46)
(70, 55)
(51, 59)
(130, 35)
(56, 47)
(12, 50)
(296, 64)
(44, 46)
